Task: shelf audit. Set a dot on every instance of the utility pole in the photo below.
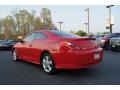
(110, 24)
(86, 25)
(60, 25)
(87, 10)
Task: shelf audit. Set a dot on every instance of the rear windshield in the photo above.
(65, 34)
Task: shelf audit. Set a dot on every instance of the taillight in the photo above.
(98, 50)
(103, 41)
(70, 44)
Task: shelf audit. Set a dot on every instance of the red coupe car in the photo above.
(58, 50)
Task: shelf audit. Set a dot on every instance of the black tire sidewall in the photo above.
(108, 46)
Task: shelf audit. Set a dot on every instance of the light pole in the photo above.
(86, 25)
(87, 10)
(60, 24)
(110, 24)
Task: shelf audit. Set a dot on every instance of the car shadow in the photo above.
(60, 76)
(65, 72)
(77, 72)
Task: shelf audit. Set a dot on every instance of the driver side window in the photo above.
(30, 37)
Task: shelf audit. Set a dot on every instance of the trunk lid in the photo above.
(83, 43)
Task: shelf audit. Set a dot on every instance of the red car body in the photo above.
(68, 53)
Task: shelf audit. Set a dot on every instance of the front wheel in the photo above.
(14, 55)
(113, 49)
(107, 46)
(48, 64)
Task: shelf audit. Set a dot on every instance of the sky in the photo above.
(73, 16)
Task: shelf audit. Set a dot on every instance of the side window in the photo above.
(40, 36)
(30, 37)
(98, 36)
(113, 35)
(118, 34)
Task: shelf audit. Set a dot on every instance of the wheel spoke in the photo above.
(49, 62)
(49, 67)
(45, 67)
(44, 61)
(47, 58)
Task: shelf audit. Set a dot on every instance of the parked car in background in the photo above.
(7, 44)
(1, 40)
(11, 42)
(105, 41)
(1, 44)
(98, 37)
(58, 50)
(90, 36)
(115, 43)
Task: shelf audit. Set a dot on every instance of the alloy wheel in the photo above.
(14, 54)
(47, 64)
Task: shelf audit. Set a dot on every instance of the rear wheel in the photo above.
(113, 49)
(48, 63)
(14, 55)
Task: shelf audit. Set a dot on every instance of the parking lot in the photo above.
(108, 72)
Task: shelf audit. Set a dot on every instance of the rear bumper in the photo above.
(76, 59)
(70, 66)
(115, 46)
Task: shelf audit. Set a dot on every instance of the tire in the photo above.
(107, 46)
(48, 64)
(113, 49)
(14, 55)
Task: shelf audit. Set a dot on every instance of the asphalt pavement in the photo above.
(24, 73)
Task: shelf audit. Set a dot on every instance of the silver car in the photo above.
(115, 43)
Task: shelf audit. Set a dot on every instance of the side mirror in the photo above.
(20, 40)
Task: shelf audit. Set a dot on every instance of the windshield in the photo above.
(96, 36)
(108, 36)
(102, 35)
(64, 34)
(112, 35)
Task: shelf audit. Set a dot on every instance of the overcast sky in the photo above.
(73, 16)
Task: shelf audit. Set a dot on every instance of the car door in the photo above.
(27, 46)
(37, 46)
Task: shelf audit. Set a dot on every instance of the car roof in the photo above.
(100, 34)
(48, 33)
(45, 30)
(114, 33)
